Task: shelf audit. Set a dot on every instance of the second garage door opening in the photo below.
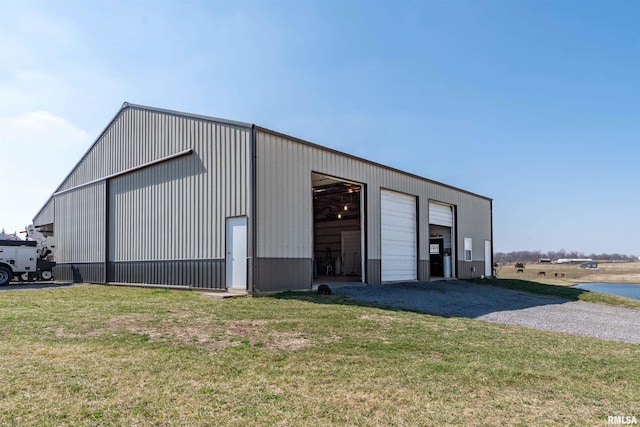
(399, 236)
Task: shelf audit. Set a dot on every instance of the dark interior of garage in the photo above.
(337, 229)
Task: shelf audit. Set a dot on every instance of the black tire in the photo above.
(5, 275)
(28, 277)
(46, 275)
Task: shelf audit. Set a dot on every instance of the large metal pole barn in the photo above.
(174, 199)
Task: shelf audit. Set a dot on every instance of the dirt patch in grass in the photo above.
(286, 341)
(187, 332)
(378, 318)
(60, 333)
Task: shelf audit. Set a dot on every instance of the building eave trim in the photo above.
(237, 123)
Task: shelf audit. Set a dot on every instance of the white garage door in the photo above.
(440, 214)
(399, 236)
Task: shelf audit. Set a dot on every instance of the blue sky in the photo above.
(535, 104)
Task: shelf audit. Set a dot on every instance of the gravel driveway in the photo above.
(498, 305)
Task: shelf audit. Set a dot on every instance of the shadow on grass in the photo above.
(25, 286)
(448, 298)
(567, 292)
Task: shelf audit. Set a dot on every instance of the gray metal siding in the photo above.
(423, 270)
(466, 269)
(205, 274)
(198, 274)
(166, 221)
(374, 271)
(80, 225)
(176, 210)
(80, 272)
(277, 274)
(135, 137)
(284, 199)
(474, 221)
(46, 214)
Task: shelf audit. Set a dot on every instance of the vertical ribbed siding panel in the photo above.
(472, 215)
(206, 274)
(46, 214)
(80, 272)
(373, 219)
(136, 136)
(176, 210)
(80, 224)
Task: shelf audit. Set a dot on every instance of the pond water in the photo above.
(620, 289)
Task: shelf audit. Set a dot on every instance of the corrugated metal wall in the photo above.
(209, 274)
(176, 210)
(80, 225)
(163, 214)
(92, 272)
(46, 214)
(284, 218)
(135, 137)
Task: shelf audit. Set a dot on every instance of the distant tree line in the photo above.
(534, 256)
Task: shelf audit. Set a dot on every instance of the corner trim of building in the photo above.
(253, 218)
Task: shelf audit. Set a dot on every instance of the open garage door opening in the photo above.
(338, 241)
(441, 241)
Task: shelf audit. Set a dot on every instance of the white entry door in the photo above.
(488, 271)
(236, 260)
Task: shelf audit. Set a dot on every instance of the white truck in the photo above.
(26, 259)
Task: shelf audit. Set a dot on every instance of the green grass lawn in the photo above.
(97, 355)
(560, 291)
